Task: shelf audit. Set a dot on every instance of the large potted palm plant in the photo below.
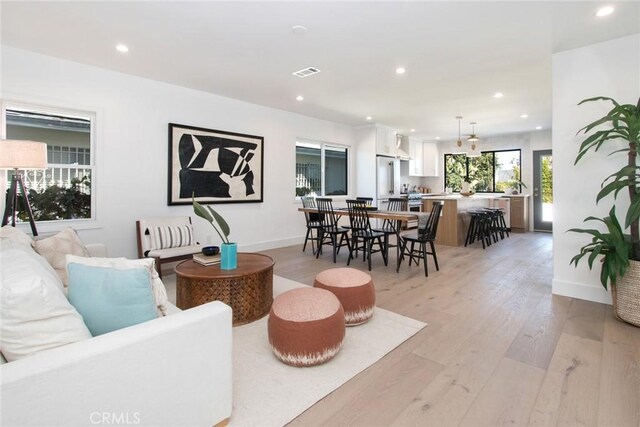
(618, 251)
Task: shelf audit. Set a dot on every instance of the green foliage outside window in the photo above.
(547, 180)
(492, 171)
(481, 172)
(455, 170)
(55, 203)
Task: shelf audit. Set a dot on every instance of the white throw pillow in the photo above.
(14, 235)
(56, 248)
(159, 291)
(35, 314)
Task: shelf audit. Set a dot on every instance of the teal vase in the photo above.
(229, 256)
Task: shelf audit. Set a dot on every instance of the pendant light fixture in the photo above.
(459, 143)
(473, 138)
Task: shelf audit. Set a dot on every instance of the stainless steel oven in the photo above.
(414, 203)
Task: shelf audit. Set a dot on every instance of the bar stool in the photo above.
(478, 228)
(493, 223)
(498, 222)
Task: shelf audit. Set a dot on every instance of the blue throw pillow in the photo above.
(109, 299)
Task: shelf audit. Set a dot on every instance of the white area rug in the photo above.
(269, 393)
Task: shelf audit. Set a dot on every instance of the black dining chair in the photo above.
(329, 229)
(367, 200)
(362, 236)
(313, 223)
(426, 234)
(391, 227)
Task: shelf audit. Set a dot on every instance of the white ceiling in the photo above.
(457, 54)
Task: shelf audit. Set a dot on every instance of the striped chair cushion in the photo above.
(170, 236)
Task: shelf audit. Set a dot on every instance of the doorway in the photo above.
(542, 190)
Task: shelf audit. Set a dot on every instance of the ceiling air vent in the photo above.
(306, 72)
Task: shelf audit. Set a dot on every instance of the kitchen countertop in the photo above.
(474, 196)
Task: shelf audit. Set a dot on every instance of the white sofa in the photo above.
(171, 371)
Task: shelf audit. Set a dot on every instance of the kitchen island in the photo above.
(454, 221)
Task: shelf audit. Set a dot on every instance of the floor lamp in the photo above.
(20, 155)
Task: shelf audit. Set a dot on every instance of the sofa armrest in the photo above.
(97, 249)
(174, 370)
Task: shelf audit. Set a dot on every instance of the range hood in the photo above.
(402, 155)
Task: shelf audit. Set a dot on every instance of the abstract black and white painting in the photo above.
(216, 166)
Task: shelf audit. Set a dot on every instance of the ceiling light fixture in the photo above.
(122, 48)
(400, 70)
(473, 138)
(538, 127)
(459, 142)
(368, 118)
(413, 130)
(498, 95)
(604, 11)
(438, 138)
(524, 116)
(299, 98)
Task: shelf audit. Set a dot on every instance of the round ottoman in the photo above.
(306, 326)
(354, 289)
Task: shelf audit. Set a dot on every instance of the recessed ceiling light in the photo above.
(437, 137)
(524, 116)
(299, 30)
(368, 118)
(498, 95)
(604, 11)
(400, 70)
(413, 130)
(122, 48)
(299, 98)
(538, 127)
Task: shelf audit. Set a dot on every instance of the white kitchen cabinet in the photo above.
(416, 157)
(424, 158)
(430, 159)
(386, 142)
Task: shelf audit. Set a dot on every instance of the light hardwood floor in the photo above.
(498, 349)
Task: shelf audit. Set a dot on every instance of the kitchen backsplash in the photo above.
(433, 184)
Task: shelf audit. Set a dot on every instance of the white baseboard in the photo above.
(271, 244)
(581, 291)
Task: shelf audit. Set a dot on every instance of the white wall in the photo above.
(606, 69)
(132, 118)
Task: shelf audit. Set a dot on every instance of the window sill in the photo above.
(51, 227)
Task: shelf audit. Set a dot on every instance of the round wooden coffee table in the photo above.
(248, 289)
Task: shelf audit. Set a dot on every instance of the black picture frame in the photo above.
(216, 166)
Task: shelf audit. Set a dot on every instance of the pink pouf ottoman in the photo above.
(306, 326)
(354, 289)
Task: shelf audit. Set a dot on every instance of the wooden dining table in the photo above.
(403, 216)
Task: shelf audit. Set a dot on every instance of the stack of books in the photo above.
(206, 259)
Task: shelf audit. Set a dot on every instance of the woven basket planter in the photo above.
(626, 295)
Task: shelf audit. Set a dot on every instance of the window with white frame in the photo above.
(321, 169)
(64, 191)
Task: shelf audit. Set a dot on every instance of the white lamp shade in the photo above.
(16, 154)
